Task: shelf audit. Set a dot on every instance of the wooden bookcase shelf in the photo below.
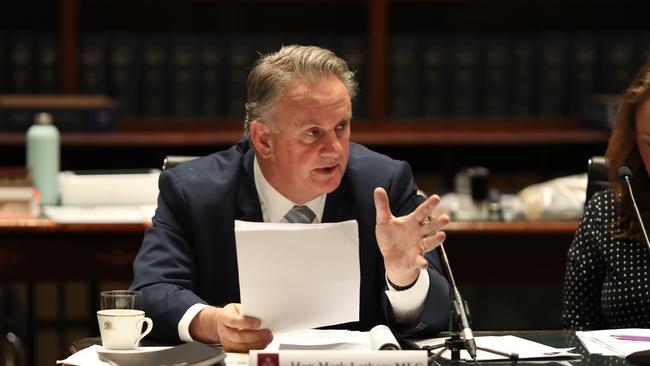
(183, 132)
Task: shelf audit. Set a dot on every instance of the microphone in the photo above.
(457, 300)
(625, 174)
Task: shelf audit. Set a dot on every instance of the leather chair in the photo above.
(12, 351)
(173, 160)
(597, 176)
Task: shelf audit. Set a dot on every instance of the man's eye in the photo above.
(342, 126)
(312, 133)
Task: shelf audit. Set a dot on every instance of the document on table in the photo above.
(298, 276)
(524, 348)
(378, 338)
(615, 342)
(117, 214)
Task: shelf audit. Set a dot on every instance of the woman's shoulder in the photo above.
(602, 202)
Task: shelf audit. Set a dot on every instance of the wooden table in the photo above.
(40, 249)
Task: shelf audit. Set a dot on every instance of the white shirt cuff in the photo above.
(184, 324)
(408, 304)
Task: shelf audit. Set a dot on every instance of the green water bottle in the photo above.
(43, 151)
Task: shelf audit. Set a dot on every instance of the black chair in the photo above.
(597, 176)
(173, 160)
(12, 351)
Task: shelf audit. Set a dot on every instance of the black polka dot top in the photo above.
(606, 281)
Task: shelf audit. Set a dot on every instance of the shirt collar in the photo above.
(274, 205)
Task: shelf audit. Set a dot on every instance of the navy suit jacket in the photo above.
(188, 256)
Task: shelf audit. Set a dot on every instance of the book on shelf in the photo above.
(618, 61)
(352, 49)
(212, 83)
(435, 62)
(552, 92)
(21, 62)
(466, 59)
(93, 64)
(46, 68)
(582, 60)
(4, 88)
(15, 176)
(155, 75)
(19, 202)
(523, 76)
(496, 64)
(184, 75)
(124, 72)
(403, 79)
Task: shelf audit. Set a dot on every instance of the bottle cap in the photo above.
(43, 118)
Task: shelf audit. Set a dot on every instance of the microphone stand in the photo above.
(625, 174)
(459, 338)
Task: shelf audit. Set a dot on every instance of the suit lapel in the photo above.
(247, 203)
(338, 204)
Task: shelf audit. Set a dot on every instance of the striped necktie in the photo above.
(300, 215)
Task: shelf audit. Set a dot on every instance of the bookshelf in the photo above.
(375, 21)
(496, 140)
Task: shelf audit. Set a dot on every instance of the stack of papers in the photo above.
(129, 214)
(524, 348)
(615, 342)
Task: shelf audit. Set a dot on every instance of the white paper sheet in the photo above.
(299, 276)
(526, 349)
(605, 342)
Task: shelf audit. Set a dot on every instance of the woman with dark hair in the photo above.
(607, 280)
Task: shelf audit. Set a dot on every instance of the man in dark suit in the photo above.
(296, 152)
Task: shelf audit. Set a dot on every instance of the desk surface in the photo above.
(553, 338)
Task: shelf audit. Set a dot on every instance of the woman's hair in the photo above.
(622, 150)
(271, 73)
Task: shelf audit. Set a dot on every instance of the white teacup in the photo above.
(121, 329)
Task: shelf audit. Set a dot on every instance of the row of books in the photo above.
(162, 74)
(429, 74)
(499, 74)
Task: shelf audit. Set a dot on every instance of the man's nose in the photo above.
(332, 145)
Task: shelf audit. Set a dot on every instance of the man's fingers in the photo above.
(421, 262)
(257, 342)
(382, 206)
(249, 336)
(423, 212)
(233, 317)
(242, 322)
(437, 224)
(431, 242)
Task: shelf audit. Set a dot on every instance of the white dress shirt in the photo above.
(406, 304)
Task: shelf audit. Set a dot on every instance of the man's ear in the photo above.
(260, 136)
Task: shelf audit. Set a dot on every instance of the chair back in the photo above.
(173, 160)
(597, 176)
(12, 351)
